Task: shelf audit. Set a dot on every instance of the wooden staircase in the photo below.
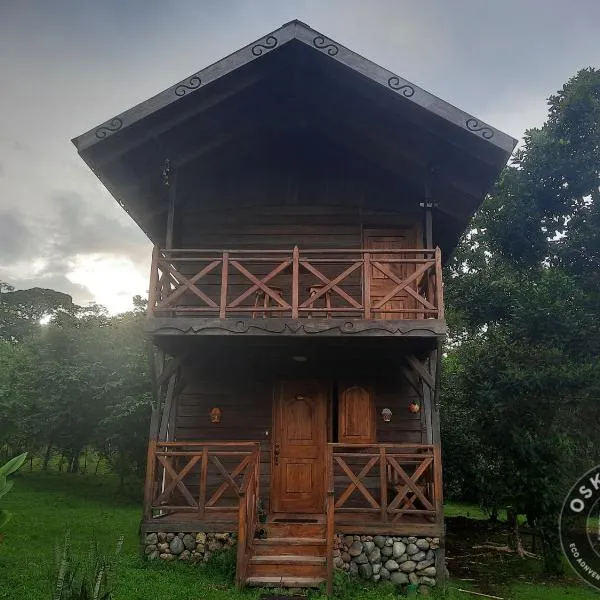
(290, 555)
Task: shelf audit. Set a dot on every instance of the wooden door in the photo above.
(356, 415)
(299, 444)
(381, 283)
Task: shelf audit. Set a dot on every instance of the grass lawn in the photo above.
(45, 505)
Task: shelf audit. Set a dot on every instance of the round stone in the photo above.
(221, 536)
(411, 549)
(412, 540)
(153, 555)
(418, 556)
(399, 578)
(376, 568)
(375, 555)
(385, 574)
(376, 577)
(365, 571)
(368, 546)
(361, 559)
(164, 547)
(180, 535)
(424, 564)
(422, 544)
(346, 557)
(170, 536)
(398, 549)
(391, 565)
(176, 546)
(408, 566)
(338, 562)
(389, 541)
(185, 555)
(412, 578)
(428, 581)
(386, 551)
(200, 548)
(353, 568)
(152, 539)
(429, 571)
(150, 549)
(347, 540)
(189, 542)
(162, 536)
(355, 549)
(403, 558)
(430, 555)
(379, 541)
(201, 538)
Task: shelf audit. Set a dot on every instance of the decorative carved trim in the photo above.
(476, 126)
(109, 127)
(405, 89)
(328, 46)
(296, 327)
(268, 44)
(193, 83)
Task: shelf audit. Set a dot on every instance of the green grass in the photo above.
(46, 505)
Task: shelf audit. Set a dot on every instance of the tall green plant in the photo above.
(6, 484)
(87, 579)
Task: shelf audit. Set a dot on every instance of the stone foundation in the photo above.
(194, 547)
(401, 560)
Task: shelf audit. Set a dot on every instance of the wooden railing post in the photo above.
(438, 489)
(149, 483)
(383, 483)
(439, 286)
(367, 285)
(224, 278)
(203, 482)
(330, 516)
(152, 291)
(295, 282)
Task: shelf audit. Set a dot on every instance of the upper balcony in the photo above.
(382, 292)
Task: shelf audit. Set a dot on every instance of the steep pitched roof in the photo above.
(292, 74)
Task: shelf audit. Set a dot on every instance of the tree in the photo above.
(523, 298)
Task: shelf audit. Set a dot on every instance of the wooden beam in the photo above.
(172, 189)
(419, 367)
(166, 413)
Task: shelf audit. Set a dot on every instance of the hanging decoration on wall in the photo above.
(386, 413)
(414, 406)
(215, 415)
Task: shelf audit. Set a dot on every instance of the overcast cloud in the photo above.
(68, 65)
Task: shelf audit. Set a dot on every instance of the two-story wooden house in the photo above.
(301, 200)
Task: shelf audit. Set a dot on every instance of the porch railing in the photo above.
(200, 477)
(359, 284)
(386, 482)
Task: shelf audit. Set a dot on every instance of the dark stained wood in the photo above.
(299, 438)
(357, 419)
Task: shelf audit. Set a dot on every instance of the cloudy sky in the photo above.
(67, 65)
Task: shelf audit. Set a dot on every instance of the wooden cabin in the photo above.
(302, 201)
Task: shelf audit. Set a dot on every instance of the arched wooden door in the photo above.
(299, 443)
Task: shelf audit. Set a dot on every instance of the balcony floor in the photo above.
(272, 326)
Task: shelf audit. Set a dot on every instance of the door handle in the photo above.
(276, 452)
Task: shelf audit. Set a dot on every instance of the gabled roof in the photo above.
(289, 75)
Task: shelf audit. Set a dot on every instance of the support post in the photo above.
(295, 282)
(170, 180)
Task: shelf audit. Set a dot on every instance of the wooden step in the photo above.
(294, 529)
(286, 581)
(287, 569)
(288, 559)
(298, 546)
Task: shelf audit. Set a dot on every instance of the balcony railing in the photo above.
(385, 482)
(356, 284)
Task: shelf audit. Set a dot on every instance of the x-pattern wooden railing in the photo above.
(390, 479)
(297, 284)
(216, 470)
